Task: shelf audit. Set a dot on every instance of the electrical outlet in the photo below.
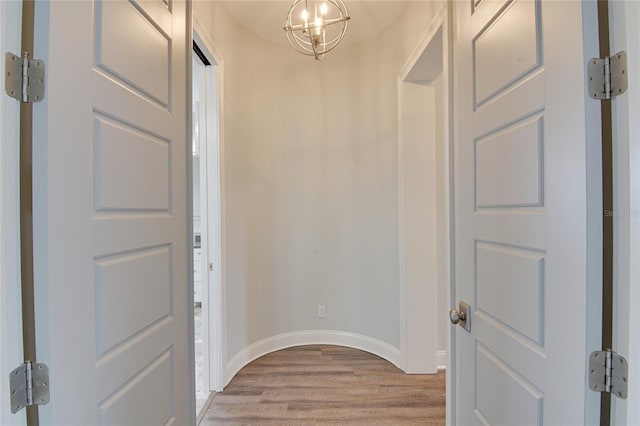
(322, 311)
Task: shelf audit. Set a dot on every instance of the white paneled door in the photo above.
(111, 212)
(521, 212)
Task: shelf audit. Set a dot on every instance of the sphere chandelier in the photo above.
(315, 27)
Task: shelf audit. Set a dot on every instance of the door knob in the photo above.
(456, 316)
(461, 316)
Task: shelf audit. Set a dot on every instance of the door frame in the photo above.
(442, 22)
(626, 146)
(203, 213)
(11, 354)
(214, 188)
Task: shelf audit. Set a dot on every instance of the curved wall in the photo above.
(311, 203)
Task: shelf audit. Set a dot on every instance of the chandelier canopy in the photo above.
(315, 27)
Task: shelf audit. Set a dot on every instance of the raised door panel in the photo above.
(506, 49)
(504, 397)
(134, 49)
(509, 166)
(510, 288)
(131, 168)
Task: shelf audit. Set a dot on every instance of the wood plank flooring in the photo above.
(327, 385)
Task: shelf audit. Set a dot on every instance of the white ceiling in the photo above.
(265, 18)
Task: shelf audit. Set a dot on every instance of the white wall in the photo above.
(419, 211)
(311, 181)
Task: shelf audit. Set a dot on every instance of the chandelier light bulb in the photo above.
(318, 26)
(327, 27)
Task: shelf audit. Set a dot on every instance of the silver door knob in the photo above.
(456, 316)
(461, 316)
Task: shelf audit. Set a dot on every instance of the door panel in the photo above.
(516, 148)
(504, 397)
(521, 203)
(111, 212)
(119, 185)
(137, 58)
(517, 54)
(515, 276)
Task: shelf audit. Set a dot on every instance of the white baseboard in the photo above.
(311, 337)
(441, 360)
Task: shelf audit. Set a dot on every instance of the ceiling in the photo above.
(265, 18)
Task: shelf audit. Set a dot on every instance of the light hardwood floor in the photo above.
(327, 385)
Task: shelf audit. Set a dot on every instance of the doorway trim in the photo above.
(216, 302)
(626, 132)
(440, 25)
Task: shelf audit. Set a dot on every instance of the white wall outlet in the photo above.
(322, 311)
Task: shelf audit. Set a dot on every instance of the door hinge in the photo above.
(24, 79)
(608, 372)
(608, 76)
(29, 385)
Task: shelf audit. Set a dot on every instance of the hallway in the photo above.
(321, 384)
